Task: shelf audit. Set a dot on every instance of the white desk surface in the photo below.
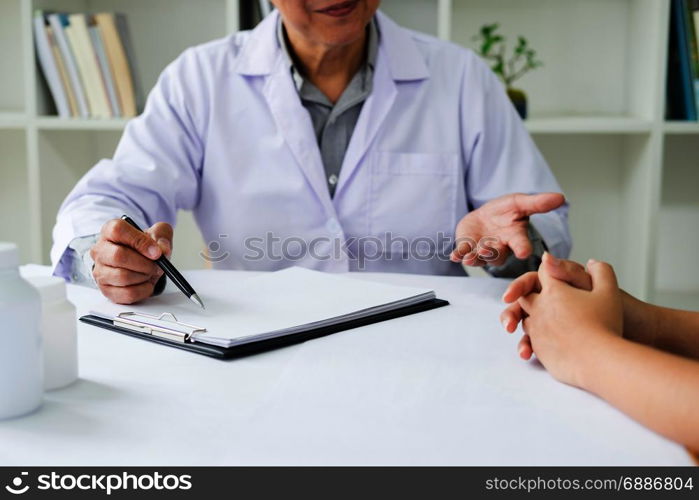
(398, 392)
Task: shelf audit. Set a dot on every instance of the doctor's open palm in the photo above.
(489, 234)
(125, 269)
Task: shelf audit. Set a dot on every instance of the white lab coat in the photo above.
(224, 134)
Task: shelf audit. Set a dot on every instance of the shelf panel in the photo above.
(51, 123)
(678, 217)
(419, 15)
(616, 70)
(678, 127)
(605, 179)
(14, 192)
(12, 121)
(588, 125)
(562, 125)
(12, 52)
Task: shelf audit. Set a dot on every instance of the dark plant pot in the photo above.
(519, 100)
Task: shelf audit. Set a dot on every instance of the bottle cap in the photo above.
(9, 256)
(51, 288)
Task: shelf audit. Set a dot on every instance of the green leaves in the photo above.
(488, 44)
(499, 67)
(492, 46)
(532, 62)
(489, 38)
(488, 29)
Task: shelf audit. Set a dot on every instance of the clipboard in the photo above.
(166, 330)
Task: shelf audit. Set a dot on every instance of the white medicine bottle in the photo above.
(21, 362)
(58, 332)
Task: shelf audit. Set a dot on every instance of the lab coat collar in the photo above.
(294, 123)
(405, 61)
(259, 54)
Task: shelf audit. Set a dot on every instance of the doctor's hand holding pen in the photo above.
(489, 234)
(125, 268)
(641, 358)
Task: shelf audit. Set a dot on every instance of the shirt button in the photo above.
(332, 180)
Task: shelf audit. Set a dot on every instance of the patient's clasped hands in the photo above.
(588, 333)
(567, 314)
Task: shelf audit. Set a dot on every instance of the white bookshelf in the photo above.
(596, 112)
(55, 123)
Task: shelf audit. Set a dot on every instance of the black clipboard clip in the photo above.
(164, 326)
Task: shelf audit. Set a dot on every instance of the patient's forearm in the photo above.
(670, 330)
(677, 331)
(658, 389)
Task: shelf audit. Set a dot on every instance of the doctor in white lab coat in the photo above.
(327, 137)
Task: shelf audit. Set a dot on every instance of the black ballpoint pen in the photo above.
(171, 272)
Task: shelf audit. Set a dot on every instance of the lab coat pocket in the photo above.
(413, 195)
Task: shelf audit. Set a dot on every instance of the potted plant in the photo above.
(493, 48)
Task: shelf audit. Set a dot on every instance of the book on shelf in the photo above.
(693, 20)
(48, 65)
(87, 61)
(105, 69)
(85, 56)
(693, 52)
(683, 63)
(125, 36)
(63, 72)
(58, 22)
(118, 62)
